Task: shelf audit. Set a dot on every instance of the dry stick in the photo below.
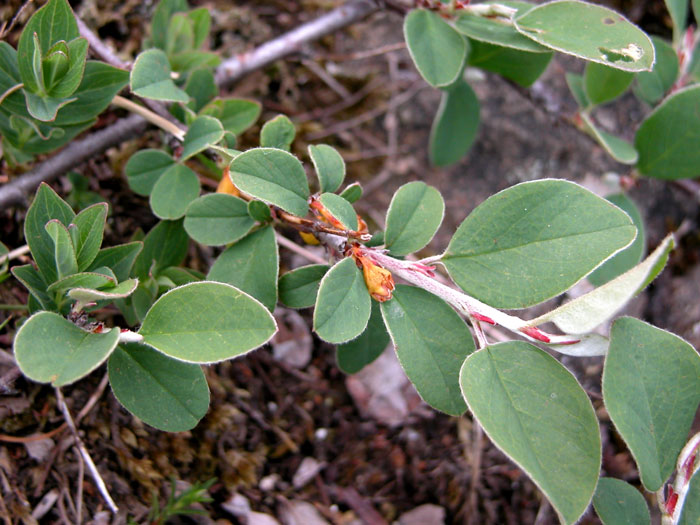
(99, 47)
(84, 453)
(14, 254)
(231, 70)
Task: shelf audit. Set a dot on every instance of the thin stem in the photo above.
(13, 307)
(14, 254)
(150, 116)
(99, 47)
(84, 453)
(300, 250)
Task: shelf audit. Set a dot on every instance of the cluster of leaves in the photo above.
(517, 249)
(516, 39)
(49, 92)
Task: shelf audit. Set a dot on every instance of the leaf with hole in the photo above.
(252, 265)
(431, 341)
(414, 215)
(343, 303)
(165, 393)
(588, 31)
(50, 349)
(667, 139)
(207, 322)
(218, 218)
(329, 166)
(534, 241)
(455, 125)
(652, 411)
(534, 410)
(437, 50)
(150, 78)
(274, 176)
(299, 287)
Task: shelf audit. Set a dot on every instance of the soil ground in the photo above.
(306, 445)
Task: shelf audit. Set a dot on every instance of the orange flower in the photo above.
(227, 186)
(379, 281)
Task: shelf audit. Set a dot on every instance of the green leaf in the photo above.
(329, 166)
(10, 78)
(619, 503)
(437, 50)
(180, 35)
(52, 23)
(64, 250)
(236, 114)
(604, 83)
(619, 149)
(202, 133)
(578, 90)
(165, 245)
(33, 281)
(653, 85)
(535, 411)
(4, 265)
(352, 192)
(207, 322)
(668, 137)
(44, 108)
(88, 295)
(533, 241)
(415, 214)
(259, 211)
(431, 342)
(161, 18)
(173, 192)
(278, 133)
(299, 288)
(588, 31)
(100, 83)
(521, 67)
(363, 350)
(201, 87)
(81, 280)
(630, 256)
(343, 303)
(583, 314)
(455, 125)
(690, 513)
(91, 225)
(274, 176)
(341, 209)
(651, 391)
(119, 258)
(252, 265)
(144, 168)
(678, 9)
(201, 23)
(150, 78)
(69, 82)
(165, 393)
(498, 31)
(178, 276)
(218, 219)
(50, 349)
(696, 12)
(47, 205)
(190, 60)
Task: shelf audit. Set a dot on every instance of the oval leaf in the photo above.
(590, 32)
(207, 322)
(165, 393)
(667, 139)
(431, 342)
(274, 176)
(91, 225)
(354, 355)
(535, 411)
(299, 288)
(437, 50)
(150, 78)
(414, 215)
(455, 125)
(343, 304)
(329, 166)
(533, 241)
(619, 503)
(173, 192)
(50, 349)
(278, 133)
(144, 168)
(202, 133)
(604, 83)
(252, 265)
(651, 391)
(653, 85)
(522, 67)
(341, 210)
(619, 149)
(217, 218)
